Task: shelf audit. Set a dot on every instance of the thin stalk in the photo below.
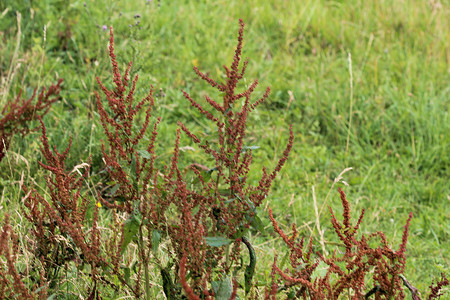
(250, 269)
(351, 101)
(391, 290)
(12, 67)
(145, 263)
(227, 255)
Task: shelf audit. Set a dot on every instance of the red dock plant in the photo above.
(11, 284)
(201, 217)
(61, 231)
(347, 273)
(16, 115)
(223, 200)
(130, 167)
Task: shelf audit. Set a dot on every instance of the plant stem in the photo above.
(250, 269)
(351, 101)
(145, 263)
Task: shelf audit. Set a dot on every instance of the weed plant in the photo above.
(120, 214)
(202, 216)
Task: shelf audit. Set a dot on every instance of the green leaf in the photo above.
(127, 274)
(114, 189)
(131, 227)
(156, 239)
(240, 232)
(144, 154)
(320, 271)
(121, 199)
(258, 224)
(134, 266)
(133, 174)
(283, 261)
(222, 288)
(218, 241)
(245, 148)
(229, 201)
(225, 192)
(291, 294)
(206, 175)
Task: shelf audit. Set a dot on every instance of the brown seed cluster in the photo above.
(16, 114)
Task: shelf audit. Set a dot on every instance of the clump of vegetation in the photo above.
(190, 225)
(346, 273)
(18, 113)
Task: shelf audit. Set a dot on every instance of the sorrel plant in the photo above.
(214, 213)
(191, 227)
(18, 113)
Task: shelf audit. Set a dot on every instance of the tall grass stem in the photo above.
(351, 101)
(12, 67)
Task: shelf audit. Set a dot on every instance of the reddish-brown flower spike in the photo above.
(16, 114)
(292, 279)
(235, 287)
(188, 290)
(116, 73)
(271, 294)
(402, 249)
(211, 81)
(18, 287)
(261, 100)
(238, 52)
(266, 181)
(346, 206)
(206, 113)
(214, 104)
(277, 229)
(437, 287)
(176, 153)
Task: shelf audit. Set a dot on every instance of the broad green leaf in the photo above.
(258, 224)
(222, 288)
(291, 294)
(195, 210)
(320, 271)
(134, 266)
(120, 199)
(127, 274)
(217, 241)
(114, 189)
(133, 171)
(130, 230)
(250, 204)
(206, 175)
(156, 239)
(144, 154)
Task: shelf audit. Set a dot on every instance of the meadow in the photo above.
(364, 84)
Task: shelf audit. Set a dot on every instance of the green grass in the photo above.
(398, 139)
